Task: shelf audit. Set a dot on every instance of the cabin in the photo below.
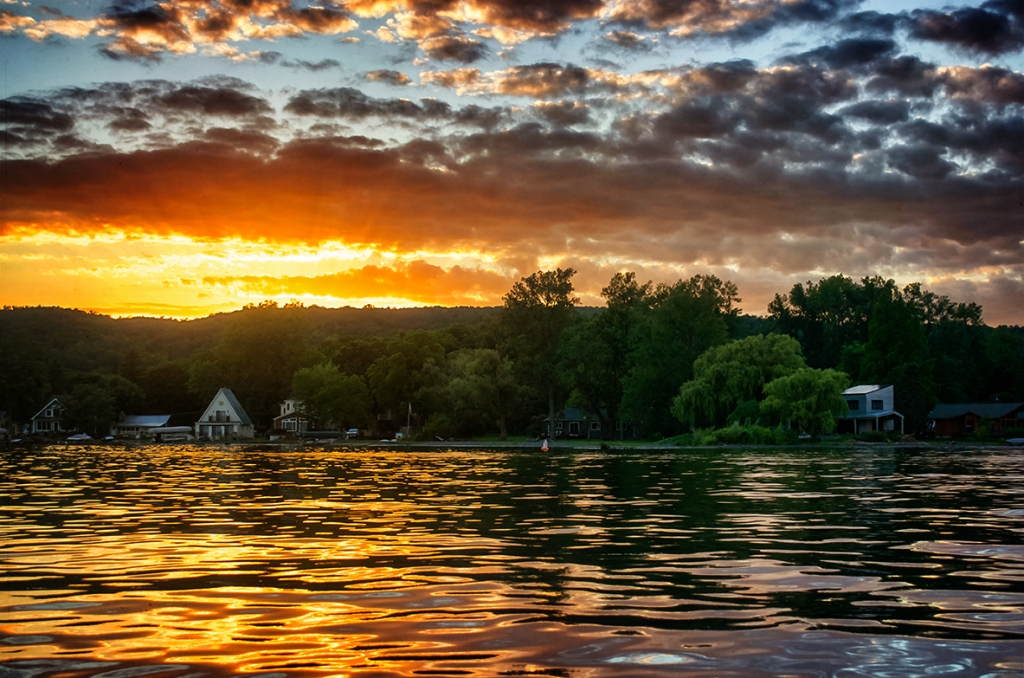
(48, 419)
(290, 420)
(573, 423)
(871, 408)
(225, 417)
(138, 425)
(959, 419)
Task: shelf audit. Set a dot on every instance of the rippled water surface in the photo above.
(206, 561)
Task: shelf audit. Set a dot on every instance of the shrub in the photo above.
(438, 426)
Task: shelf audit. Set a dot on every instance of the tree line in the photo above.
(664, 358)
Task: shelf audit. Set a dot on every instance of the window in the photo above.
(558, 426)
(48, 412)
(289, 425)
(595, 426)
(574, 428)
(876, 405)
(854, 405)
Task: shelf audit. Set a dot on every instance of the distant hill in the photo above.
(93, 341)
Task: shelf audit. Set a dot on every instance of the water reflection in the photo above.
(184, 561)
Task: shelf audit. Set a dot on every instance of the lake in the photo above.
(180, 562)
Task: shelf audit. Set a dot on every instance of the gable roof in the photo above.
(863, 389)
(51, 401)
(236, 406)
(983, 410)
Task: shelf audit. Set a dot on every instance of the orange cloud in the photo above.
(416, 281)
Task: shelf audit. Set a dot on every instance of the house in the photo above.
(225, 418)
(291, 421)
(871, 409)
(48, 419)
(965, 418)
(138, 425)
(573, 423)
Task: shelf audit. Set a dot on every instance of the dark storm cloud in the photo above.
(346, 102)
(563, 113)
(314, 67)
(879, 112)
(920, 162)
(707, 117)
(477, 116)
(907, 75)
(992, 28)
(214, 101)
(253, 142)
(536, 15)
(33, 114)
(849, 53)
(628, 41)
(530, 139)
(729, 76)
(872, 23)
(130, 120)
(454, 48)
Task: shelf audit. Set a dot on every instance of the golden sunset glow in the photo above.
(184, 159)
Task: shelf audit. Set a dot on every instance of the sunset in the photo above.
(184, 159)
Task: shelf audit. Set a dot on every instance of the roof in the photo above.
(863, 389)
(574, 414)
(43, 409)
(874, 415)
(237, 406)
(144, 420)
(983, 410)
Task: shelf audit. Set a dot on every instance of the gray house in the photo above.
(48, 419)
(573, 423)
(871, 409)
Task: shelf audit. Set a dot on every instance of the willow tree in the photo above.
(726, 376)
(811, 398)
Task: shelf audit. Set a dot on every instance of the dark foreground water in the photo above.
(181, 562)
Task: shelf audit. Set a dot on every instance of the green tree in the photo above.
(24, 376)
(726, 376)
(829, 315)
(811, 398)
(684, 320)
(328, 396)
(261, 349)
(536, 311)
(895, 336)
(594, 352)
(397, 377)
(481, 381)
(90, 408)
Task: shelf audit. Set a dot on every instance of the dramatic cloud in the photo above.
(440, 148)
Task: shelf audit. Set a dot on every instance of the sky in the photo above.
(185, 158)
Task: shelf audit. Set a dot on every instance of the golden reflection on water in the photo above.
(203, 561)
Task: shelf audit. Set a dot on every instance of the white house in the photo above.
(291, 420)
(871, 409)
(225, 418)
(47, 419)
(138, 425)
